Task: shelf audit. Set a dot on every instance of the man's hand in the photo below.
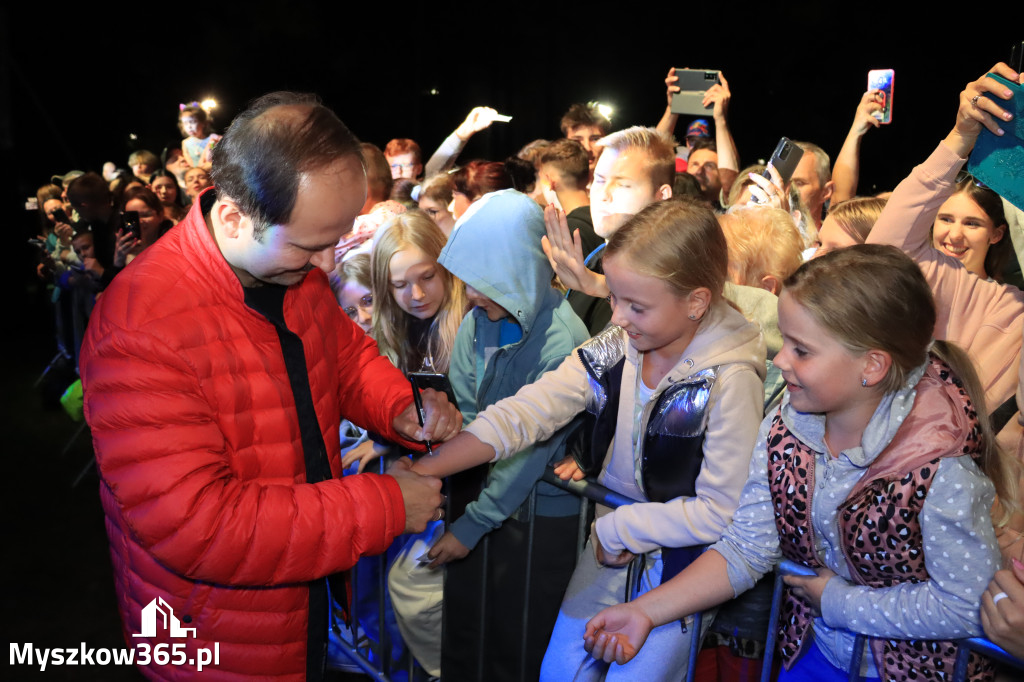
(864, 120)
(567, 469)
(441, 419)
(810, 589)
(603, 557)
(718, 94)
(670, 86)
(421, 496)
(445, 550)
(617, 633)
(479, 119)
(565, 253)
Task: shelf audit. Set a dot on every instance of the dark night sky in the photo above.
(797, 70)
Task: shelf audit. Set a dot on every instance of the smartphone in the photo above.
(785, 159)
(693, 83)
(131, 222)
(59, 216)
(882, 79)
(1017, 56)
(438, 382)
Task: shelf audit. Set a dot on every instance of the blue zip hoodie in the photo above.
(495, 248)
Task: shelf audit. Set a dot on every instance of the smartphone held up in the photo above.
(882, 81)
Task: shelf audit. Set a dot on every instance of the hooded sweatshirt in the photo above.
(495, 248)
(724, 340)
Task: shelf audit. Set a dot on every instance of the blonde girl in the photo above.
(673, 395)
(418, 305)
(872, 472)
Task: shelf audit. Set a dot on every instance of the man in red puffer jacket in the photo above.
(216, 369)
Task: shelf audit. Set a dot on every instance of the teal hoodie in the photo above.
(495, 248)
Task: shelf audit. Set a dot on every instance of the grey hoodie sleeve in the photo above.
(960, 553)
(445, 156)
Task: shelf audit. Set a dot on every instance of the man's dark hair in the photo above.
(569, 158)
(585, 115)
(704, 143)
(268, 147)
(89, 188)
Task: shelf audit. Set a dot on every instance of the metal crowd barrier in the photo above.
(964, 648)
(595, 493)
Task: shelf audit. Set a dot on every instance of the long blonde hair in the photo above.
(871, 296)
(413, 229)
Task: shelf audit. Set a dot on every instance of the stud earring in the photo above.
(693, 317)
(864, 383)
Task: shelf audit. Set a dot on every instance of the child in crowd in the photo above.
(848, 223)
(196, 180)
(435, 197)
(351, 285)
(520, 329)
(417, 307)
(873, 473)
(675, 393)
(200, 140)
(165, 187)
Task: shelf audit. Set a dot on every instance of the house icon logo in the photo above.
(160, 610)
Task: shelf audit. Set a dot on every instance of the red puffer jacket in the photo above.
(198, 446)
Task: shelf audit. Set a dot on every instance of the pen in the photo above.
(421, 412)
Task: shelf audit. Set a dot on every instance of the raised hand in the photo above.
(718, 94)
(976, 111)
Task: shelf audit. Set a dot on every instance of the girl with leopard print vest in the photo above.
(875, 472)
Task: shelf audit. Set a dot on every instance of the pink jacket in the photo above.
(982, 317)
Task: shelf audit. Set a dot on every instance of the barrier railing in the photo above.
(595, 493)
(964, 646)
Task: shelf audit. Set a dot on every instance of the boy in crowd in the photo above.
(405, 159)
(636, 168)
(584, 123)
(562, 176)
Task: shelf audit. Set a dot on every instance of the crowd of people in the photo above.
(773, 367)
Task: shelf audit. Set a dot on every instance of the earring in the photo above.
(693, 317)
(864, 383)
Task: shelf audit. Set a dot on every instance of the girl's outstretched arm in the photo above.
(462, 452)
(617, 633)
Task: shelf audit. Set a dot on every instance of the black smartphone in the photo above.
(59, 216)
(438, 382)
(785, 159)
(693, 83)
(1017, 56)
(131, 222)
